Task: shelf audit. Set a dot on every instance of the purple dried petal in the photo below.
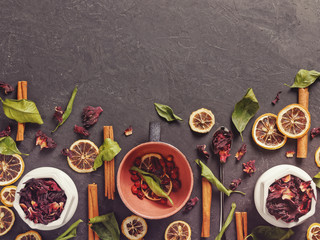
(5, 132)
(90, 115)
(128, 131)
(6, 87)
(58, 114)
(277, 98)
(66, 152)
(202, 151)
(241, 152)
(44, 141)
(81, 130)
(221, 143)
(315, 132)
(249, 167)
(235, 184)
(190, 204)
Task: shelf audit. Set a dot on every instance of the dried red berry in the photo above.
(315, 132)
(81, 130)
(135, 178)
(137, 184)
(58, 114)
(202, 151)
(133, 172)
(134, 189)
(5, 132)
(235, 184)
(90, 115)
(170, 165)
(190, 204)
(241, 152)
(249, 167)
(44, 141)
(140, 194)
(277, 98)
(6, 87)
(128, 131)
(170, 158)
(144, 186)
(163, 201)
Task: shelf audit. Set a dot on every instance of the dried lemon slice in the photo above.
(6, 220)
(201, 120)
(294, 121)
(7, 195)
(317, 157)
(313, 232)
(32, 235)
(134, 227)
(11, 168)
(266, 134)
(178, 230)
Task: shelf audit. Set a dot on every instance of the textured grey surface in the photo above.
(127, 54)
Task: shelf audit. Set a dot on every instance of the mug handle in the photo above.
(154, 131)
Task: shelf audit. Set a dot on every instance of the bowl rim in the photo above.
(174, 210)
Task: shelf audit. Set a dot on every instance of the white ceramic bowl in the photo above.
(261, 191)
(65, 182)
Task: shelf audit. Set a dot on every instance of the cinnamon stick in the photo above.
(245, 224)
(302, 143)
(93, 209)
(206, 207)
(109, 167)
(239, 226)
(21, 94)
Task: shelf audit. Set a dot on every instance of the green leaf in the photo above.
(316, 179)
(304, 78)
(270, 233)
(107, 151)
(207, 173)
(227, 222)
(244, 110)
(166, 112)
(106, 226)
(71, 232)
(23, 111)
(68, 110)
(8, 146)
(155, 177)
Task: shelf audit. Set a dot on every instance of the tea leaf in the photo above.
(270, 233)
(244, 110)
(68, 110)
(8, 146)
(155, 177)
(227, 222)
(107, 151)
(22, 111)
(71, 232)
(316, 179)
(304, 78)
(166, 112)
(106, 226)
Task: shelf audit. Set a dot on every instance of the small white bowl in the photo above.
(261, 191)
(66, 184)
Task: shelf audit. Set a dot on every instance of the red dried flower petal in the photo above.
(235, 184)
(202, 151)
(5, 132)
(290, 154)
(249, 167)
(44, 141)
(90, 115)
(286, 178)
(58, 114)
(81, 130)
(190, 204)
(128, 131)
(221, 143)
(277, 98)
(66, 152)
(241, 152)
(314, 132)
(287, 194)
(6, 87)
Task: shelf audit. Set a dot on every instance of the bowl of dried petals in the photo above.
(46, 198)
(285, 196)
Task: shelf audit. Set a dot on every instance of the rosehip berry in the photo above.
(134, 189)
(140, 195)
(144, 186)
(170, 158)
(163, 201)
(135, 178)
(170, 165)
(133, 172)
(137, 184)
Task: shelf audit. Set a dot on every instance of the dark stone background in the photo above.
(127, 54)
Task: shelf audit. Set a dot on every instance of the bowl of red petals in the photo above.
(154, 180)
(46, 198)
(285, 196)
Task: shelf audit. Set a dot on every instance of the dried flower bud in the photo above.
(315, 132)
(249, 167)
(277, 98)
(6, 87)
(66, 152)
(190, 204)
(290, 154)
(81, 130)
(235, 184)
(5, 132)
(202, 152)
(58, 114)
(44, 141)
(90, 115)
(241, 152)
(128, 131)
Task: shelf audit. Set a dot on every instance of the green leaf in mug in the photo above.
(107, 151)
(166, 112)
(8, 146)
(304, 78)
(244, 110)
(270, 233)
(23, 111)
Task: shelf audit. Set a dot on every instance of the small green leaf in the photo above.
(244, 110)
(304, 78)
(316, 179)
(106, 226)
(155, 177)
(166, 112)
(68, 110)
(71, 232)
(270, 233)
(107, 151)
(227, 222)
(8, 146)
(23, 111)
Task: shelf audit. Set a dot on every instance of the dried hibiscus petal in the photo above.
(44, 141)
(235, 184)
(241, 152)
(221, 143)
(315, 132)
(290, 154)
(58, 114)
(128, 131)
(81, 130)
(5, 132)
(6, 87)
(190, 204)
(66, 152)
(277, 98)
(202, 151)
(249, 167)
(90, 115)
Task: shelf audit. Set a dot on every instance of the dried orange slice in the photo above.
(317, 157)
(313, 232)
(178, 230)
(265, 132)
(11, 168)
(147, 161)
(134, 227)
(6, 220)
(7, 195)
(201, 120)
(30, 235)
(294, 121)
(83, 154)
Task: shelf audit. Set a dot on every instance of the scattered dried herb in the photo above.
(304, 78)
(8, 146)
(128, 131)
(81, 130)
(202, 151)
(107, 151)
(227, 222)
(207, 173)
(23, 111)
(235, 184)
(71, 232)
(66, 152)
(90, 115)
(6, 132)
(166, 112)
(67, 112)
(316, 179)
(44, 141)
(221, 143)
(277, 98)
(244, 110)
(241, 152)
(249, 167)
(290, 154)
(270, 233)
(42, 200)
(106, 226)
(6, 87)
(314, 132)
(190, 204)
